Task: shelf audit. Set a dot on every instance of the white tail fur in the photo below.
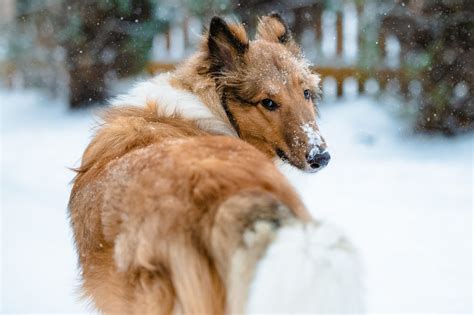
(308, 268)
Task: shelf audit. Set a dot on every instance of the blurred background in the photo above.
(397, 109)
(419, 50)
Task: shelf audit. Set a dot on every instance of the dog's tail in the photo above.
(261, 259)
(308, 268)
(282, 264)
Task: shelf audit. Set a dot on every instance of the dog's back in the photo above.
(157, 224)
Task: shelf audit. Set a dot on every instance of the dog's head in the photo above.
(268, 90)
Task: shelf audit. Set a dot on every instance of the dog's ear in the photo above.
(273, 28)
(227, 44)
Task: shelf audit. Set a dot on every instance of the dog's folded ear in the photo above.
(273, 28)
(227, 43)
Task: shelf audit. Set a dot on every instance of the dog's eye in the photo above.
(269, 104)
(307, 94)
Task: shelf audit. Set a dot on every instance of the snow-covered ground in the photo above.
(405, 200)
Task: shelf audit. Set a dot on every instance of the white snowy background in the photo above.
(404, 199)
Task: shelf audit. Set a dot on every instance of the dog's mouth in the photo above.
(287, 159)
(282, 155)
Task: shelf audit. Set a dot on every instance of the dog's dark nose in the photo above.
(320, 160)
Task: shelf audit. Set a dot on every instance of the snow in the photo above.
(405, 200)
(40, 140)
(314, 139)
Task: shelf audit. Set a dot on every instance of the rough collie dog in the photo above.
(178, 207)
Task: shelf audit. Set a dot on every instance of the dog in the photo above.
(178, 207)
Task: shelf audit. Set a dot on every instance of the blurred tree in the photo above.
(103, 37)
(437, 44)
(90, 40)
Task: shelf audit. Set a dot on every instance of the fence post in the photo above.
(381, 41)
(360, 37)
(318, 28)
(186, 31)
(168, 38)
(339, 34)
(382, 78)
(360, 82)
(340, 87)
(404, 82)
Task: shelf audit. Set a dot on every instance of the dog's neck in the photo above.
(192, 76)
(186, 93)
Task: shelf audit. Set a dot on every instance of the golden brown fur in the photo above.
(140, 226)
(160, 207)
(267, 69)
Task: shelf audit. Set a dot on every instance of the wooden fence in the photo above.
(380, 74)
(340, 75)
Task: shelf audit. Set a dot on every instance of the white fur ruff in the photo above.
(307, 269)
(171, 101)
